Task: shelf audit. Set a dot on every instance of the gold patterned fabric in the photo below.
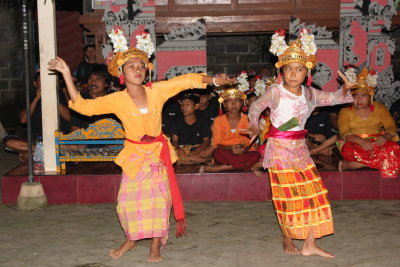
(301, 202)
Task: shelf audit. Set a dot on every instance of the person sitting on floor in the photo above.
(20, 144)
(231, 143)
(368, 130)
(321, 139)
(191, 134)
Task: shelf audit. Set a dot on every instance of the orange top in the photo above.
(223, 134)
(378, 122)
(136, 124)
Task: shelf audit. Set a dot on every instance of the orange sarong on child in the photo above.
(301, 202)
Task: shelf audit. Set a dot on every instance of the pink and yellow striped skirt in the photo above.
(301, 202)
(144, 203)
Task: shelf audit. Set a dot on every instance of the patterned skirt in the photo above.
(301, 202)
(386, 158)
(144, 203)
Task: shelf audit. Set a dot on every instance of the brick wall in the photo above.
(11, 54)
(232, 54)
(11, 65)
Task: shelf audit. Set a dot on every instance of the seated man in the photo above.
(98, 84)
(231, 143)
(190, 134)
(20, 144)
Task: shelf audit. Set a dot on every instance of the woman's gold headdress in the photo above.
(366, 81)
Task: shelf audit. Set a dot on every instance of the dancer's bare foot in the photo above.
(289, 247)
(155, 254)
(309, 250)
(310, 247)
(126, 246)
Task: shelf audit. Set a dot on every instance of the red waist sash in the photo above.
(165, 157)
(293, 135)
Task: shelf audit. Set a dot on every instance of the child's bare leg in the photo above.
(256, 169)
(155, 254)
(218, 168)
(350, 165)
(288, 246)
(126, 246)
(310, 247)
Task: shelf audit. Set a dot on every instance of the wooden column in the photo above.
(47, 50)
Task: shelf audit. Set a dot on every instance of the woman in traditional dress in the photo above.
(298, 193)
(368, 130)
(148, 185)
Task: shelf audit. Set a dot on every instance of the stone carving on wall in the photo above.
(322, 74)
(179, 70)
(323, 37)
(385, 13)
(347, 41)
(373, 16)
(195, 31)
(319, 32)
(187, 38)
(388, 90)
(380, 57)
(183, 50)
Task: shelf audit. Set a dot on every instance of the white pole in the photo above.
(47, 50)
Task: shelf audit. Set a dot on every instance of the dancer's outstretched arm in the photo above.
(58, 64)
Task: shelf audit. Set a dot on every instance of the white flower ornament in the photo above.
(243, 83)
(351, 75)
(144, 43)
(278, 43)
(307, 42)
(259, 88)
(118, 40)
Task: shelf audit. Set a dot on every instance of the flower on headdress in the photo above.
(118, 40)
(278, 43)
(144, 43)
(307, 42)
(259, 86)
(243, 83)
(351, 75)
(372, 79)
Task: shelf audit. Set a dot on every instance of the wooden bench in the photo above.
(101, 141)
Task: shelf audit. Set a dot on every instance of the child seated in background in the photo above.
(191, 133)
(231, 143)
(321, 139)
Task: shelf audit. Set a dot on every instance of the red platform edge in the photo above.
(91, 189)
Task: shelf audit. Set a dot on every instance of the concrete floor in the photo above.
(219, 234)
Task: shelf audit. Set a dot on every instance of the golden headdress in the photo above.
(303, 50)
(238, 92)
(143, 50)
(366, 81)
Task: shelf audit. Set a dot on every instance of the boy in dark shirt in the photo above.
(190, 133)
(208, 106)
